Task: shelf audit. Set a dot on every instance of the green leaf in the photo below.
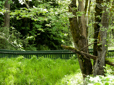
(107, 83)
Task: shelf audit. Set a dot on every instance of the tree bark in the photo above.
(102, 47)
(79, 33)
(3, 39)
(7, 17)
(98, 14)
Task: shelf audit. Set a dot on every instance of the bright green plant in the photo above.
(35, 71)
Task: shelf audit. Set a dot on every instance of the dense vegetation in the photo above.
(42, 26)
(35, 71)
(45, 71)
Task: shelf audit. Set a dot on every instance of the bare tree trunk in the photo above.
(7, 17)
(102, 49)
(79, 33)
(3, 39)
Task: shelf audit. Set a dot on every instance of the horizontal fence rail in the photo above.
(109, 54)
(63, 54)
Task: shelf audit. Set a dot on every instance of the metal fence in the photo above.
(109, 54)
(63, 54)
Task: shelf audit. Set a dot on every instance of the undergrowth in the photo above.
(35, 71)
(77, 79)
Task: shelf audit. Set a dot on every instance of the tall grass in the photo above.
(35, 71)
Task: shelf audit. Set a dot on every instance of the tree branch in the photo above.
(26, 4)
(109, 63)
(88, 45)
(86, 55)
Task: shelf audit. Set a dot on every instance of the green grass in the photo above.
(41, 71)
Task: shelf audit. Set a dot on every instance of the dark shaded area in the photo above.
(27, 27)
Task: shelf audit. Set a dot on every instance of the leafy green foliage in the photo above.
(41, 71)
(45, 27)
(46, 24)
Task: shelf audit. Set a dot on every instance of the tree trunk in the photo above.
(111, 18)
(79, 33)
(3, 39)
(102, 49)
(98, 14)
(7, 17)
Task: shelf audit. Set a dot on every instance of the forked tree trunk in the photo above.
(79, 33)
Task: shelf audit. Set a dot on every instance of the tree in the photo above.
(79, 33)
(78, 27)
(100, 47)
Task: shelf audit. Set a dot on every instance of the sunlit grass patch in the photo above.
(35, 71)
